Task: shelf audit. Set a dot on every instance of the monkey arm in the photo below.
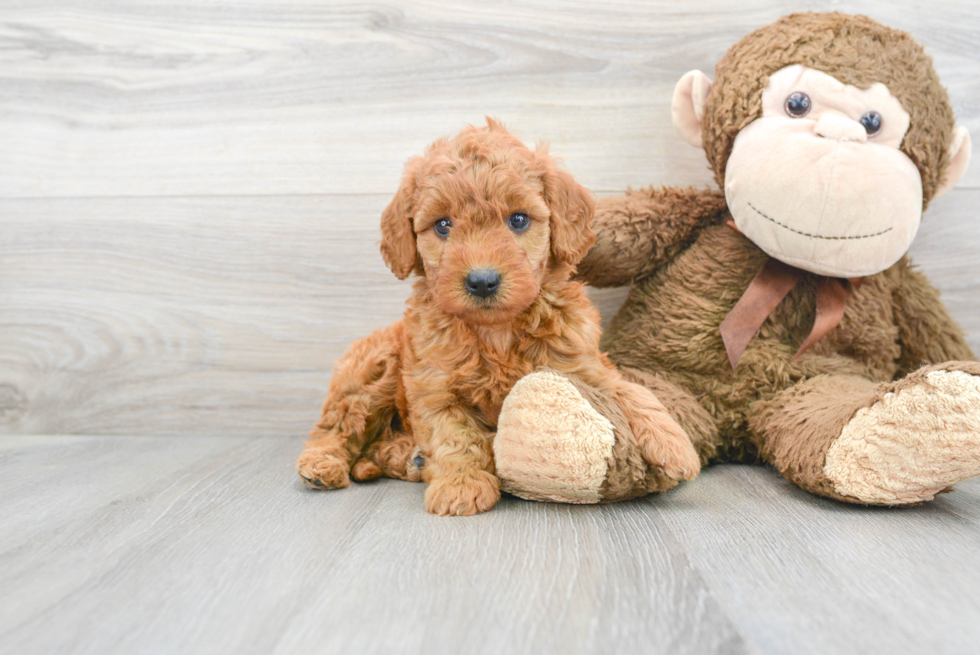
(642, 230)
(927, 333)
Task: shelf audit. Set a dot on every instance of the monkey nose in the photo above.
(839, 128)
(482, 282)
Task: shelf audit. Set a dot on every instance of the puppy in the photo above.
(493, 231)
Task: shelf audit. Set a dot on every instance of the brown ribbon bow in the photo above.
(764, 294)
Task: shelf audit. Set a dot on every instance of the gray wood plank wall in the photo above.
(190, 192)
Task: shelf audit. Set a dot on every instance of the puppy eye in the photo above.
(442, 227)
(798, 104)
(872, 122)
(518, 222)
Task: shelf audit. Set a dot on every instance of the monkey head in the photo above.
(830, 134)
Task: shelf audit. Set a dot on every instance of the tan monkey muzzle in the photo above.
(819, 182)
(815, 201)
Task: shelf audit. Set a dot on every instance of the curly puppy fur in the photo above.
(438, 378)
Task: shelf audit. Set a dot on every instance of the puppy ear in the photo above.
(572, 208)
(397, 234)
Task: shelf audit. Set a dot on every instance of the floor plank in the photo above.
(139, 545)
(857, 580)
(164, 545)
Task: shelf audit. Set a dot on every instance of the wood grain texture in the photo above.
(154, 97)
(190, 192)
(189, 204)
(154, 316)
(149, 545)
(226, 315)
(208, 545)
(804, 574)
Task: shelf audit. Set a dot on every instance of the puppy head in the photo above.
(486, 221)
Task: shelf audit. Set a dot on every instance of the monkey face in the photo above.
(818, 181)
(830, 134)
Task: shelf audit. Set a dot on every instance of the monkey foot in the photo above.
(911, 444)
(551, 443)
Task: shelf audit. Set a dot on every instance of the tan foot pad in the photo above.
(911, 444)
(551, 444)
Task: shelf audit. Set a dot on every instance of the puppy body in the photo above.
(493, 303)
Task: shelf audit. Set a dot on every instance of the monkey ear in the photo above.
(959, 159)
(397, 233)
(687, 106)
(572, 209)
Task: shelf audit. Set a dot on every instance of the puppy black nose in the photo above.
(482, 282)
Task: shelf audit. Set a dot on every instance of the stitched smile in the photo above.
(817, 236)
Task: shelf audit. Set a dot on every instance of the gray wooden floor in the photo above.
(189, 204)
(207, 545)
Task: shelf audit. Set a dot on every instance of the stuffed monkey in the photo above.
(780, 320)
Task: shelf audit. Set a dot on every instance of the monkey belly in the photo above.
(670, 322)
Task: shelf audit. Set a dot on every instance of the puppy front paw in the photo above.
(322, 470)
(463, 494)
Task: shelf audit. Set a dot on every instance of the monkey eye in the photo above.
(442, 227)
(798, 104)
(518, 221)
(871, 122)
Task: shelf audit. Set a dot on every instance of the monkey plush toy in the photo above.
(780, 320)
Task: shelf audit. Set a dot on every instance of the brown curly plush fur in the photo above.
(689, 269)
(441, 374)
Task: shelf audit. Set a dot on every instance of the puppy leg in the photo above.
(393, 455)
(663, 443)
(359, 406)
(695, 420)
(458, 467)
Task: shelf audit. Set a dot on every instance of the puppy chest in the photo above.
(485, 386)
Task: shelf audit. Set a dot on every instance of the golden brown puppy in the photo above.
(494, 231)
